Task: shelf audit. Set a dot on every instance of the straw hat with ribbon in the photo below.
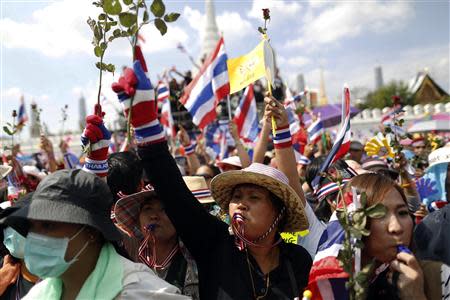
(199, 188)
(222, 187)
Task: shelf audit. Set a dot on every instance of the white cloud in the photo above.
(60, 29)
(280, 11)
(350, 19)
(55, 30)
(234, 27)
(154, 41)
(90, 92)
(293, 61)
(12, 93)
(318, 3)
(232, 24)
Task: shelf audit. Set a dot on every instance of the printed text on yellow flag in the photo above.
(246, 69)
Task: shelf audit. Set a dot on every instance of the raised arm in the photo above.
(261, 146)
(186, 213)
(284, 152)
(242, 153)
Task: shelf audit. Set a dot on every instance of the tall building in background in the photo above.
(300, 83)
(82, 112)
(211, 33)
(323, 100)
(34, 124)
(378, 77)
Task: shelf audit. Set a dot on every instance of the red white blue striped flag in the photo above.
(315, 130)
(22, 116)
(342, 143)
(209, 86)
(246, 116)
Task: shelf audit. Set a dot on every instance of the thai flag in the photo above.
(22, 117)
(167, 119)
(294, 121)
(225, 138)
(162, 91)
(342, 142)
(209, 86)
(218, 138)
(327, 278)
(71, 161)
(246, 116)
(315, 131)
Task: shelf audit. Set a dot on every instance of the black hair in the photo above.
(312, 169)
(124, 174)
(323, 209)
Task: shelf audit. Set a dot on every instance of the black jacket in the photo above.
(223, 270)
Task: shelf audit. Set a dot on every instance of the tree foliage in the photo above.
(383, 96)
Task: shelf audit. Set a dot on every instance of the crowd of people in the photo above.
(168, 220)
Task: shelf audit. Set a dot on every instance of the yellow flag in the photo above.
(246, 69)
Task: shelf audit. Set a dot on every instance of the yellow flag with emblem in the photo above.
(246, 69)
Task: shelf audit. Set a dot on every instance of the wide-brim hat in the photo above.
(4, 171)
(70, 196)
(375, 164)
(234, 161)
(275, 181)
(199, 188)
(128, 208)
(439, 156)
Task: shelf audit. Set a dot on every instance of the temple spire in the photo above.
(211, 33)
(323, 100)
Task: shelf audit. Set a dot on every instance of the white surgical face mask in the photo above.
(14, 242)
(44, 255)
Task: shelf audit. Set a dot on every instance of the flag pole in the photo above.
(229, 107)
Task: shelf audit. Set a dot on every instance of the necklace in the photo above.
(253, 283)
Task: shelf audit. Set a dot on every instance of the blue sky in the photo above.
(47, 56)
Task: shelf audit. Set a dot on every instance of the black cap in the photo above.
(70, 196)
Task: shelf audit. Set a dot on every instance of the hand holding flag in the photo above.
(97, 138)
(136, 94)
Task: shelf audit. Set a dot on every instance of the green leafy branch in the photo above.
(121, 19)
(130, 20)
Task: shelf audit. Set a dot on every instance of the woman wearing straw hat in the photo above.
(70, 244)
(142, 217)
(252, 262)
